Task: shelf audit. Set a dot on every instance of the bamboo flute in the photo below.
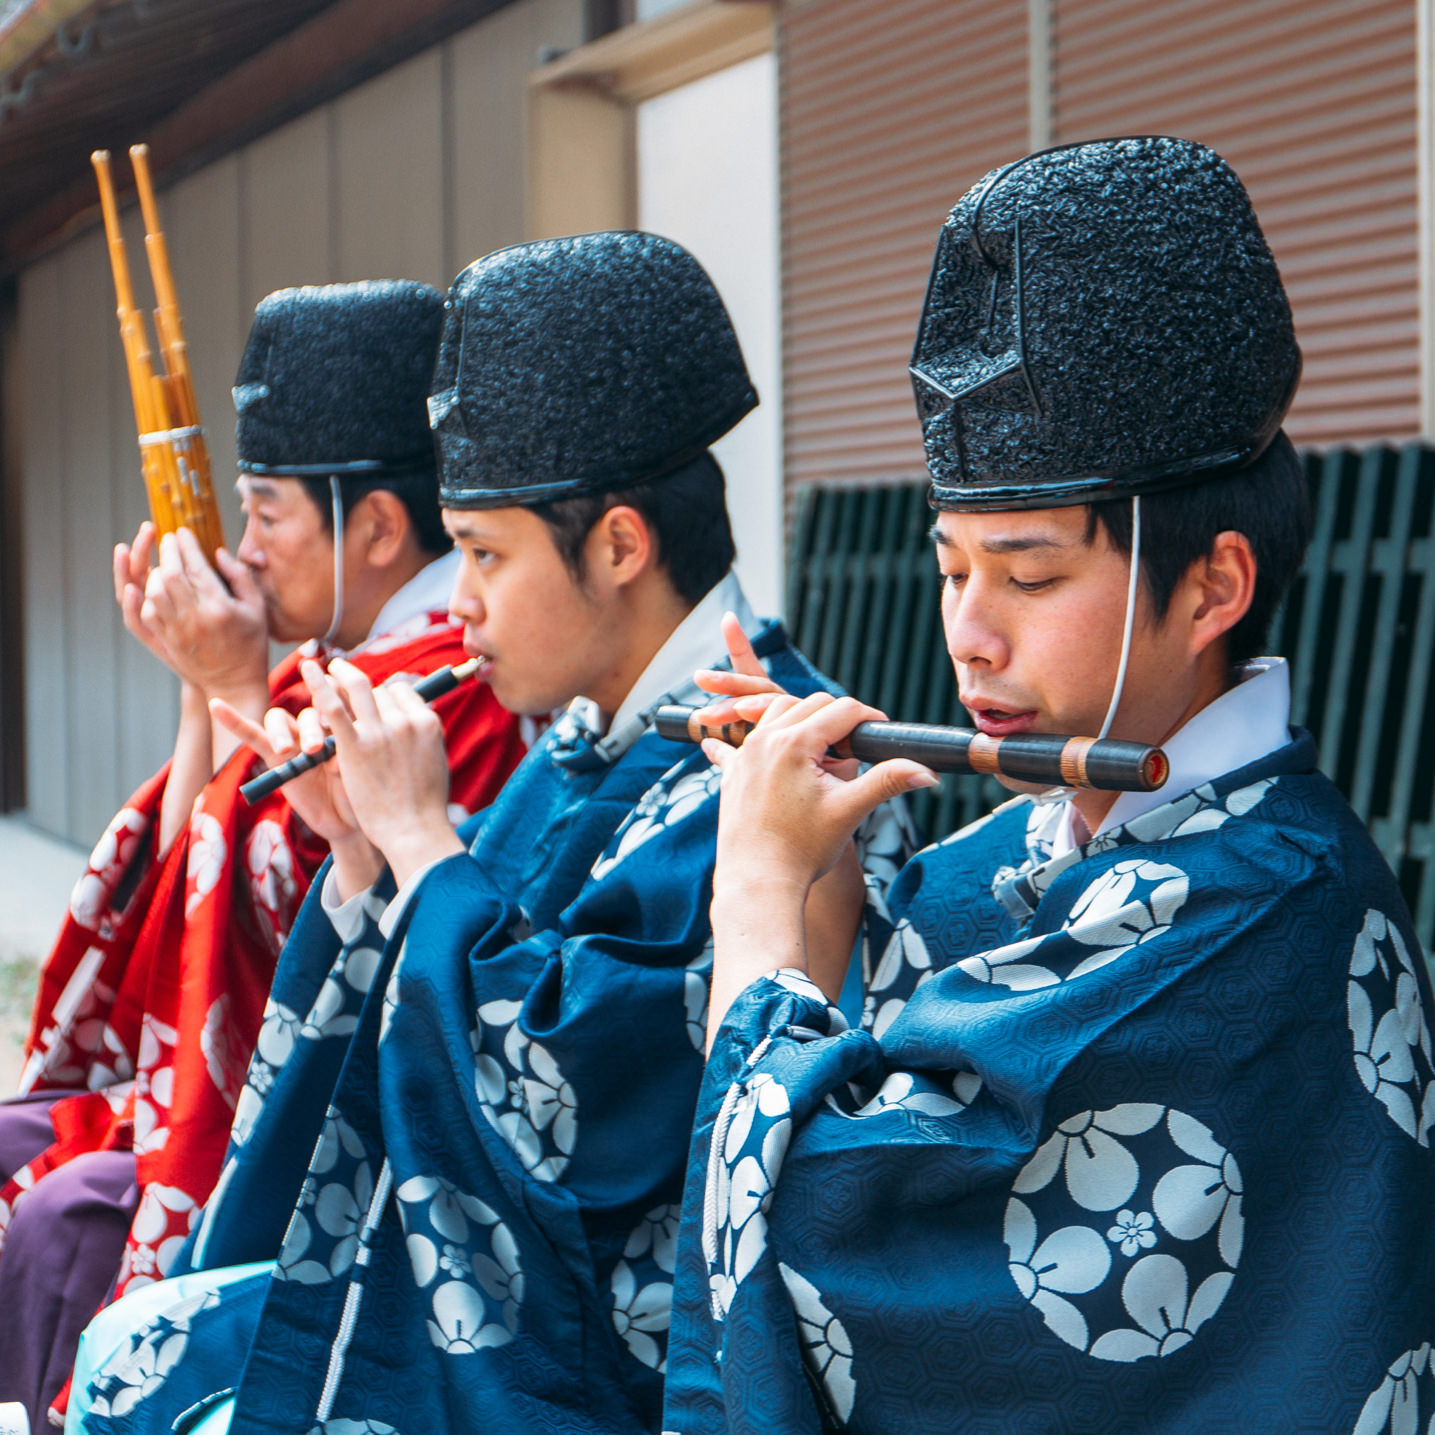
(1106, 763)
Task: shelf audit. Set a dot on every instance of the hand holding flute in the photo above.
(385, 797)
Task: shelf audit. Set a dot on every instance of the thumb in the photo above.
(717, 753)
(879, 784)
(237, 575)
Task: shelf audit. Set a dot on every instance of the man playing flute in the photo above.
(470, 1176)
(152, 999)
(1135, 1134)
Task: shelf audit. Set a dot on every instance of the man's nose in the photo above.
(974, 639)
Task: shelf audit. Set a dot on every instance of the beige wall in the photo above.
(413, 174)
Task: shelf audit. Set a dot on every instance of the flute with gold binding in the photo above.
(173, 453)
(1106, 763)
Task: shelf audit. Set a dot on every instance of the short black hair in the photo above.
(418, 492)
(1268, 500)
(686, 511)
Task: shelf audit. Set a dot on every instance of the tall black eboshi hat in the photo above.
(1102, 319)
(581, 365)
(334, 380)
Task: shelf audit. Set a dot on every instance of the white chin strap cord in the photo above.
(1130, 614)
(336, 505)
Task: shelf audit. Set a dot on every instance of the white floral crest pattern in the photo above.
(749, 1142)
(1162, 1180)
(657, 1235)
(466, 1260)
(904, 966)
(523, 1093)
(322, 1240)
(825, 1344)
(1399, 1403)
(641, 1315)
(270, 864)
(1131, 902)
(666, 803)
(142, 1365)
(90, 899)
(1388, 1027)
(208, 852)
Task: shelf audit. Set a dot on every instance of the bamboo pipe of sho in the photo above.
(1105, 763)
(438, 682)
(196, 505)
(173, 453)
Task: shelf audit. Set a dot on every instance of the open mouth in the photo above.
(1001, 722)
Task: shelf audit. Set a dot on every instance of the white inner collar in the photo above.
(1247, 722)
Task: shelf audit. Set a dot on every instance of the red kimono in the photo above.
(153, 995)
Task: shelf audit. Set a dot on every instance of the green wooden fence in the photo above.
(1358, 627)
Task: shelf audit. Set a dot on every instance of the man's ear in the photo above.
(1219, 589)
(621, 546)
(381, 526)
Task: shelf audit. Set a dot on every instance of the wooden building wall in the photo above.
(413, 174)
(1314, 105)
(891, 109)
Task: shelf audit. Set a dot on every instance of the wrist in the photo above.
(413, 847)
(759, 882)
(357, 864)
(246, 693)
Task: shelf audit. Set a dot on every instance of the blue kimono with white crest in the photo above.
(465, 1144)
(1134, 1138)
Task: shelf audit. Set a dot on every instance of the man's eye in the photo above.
(1034, 585)
(952, 580)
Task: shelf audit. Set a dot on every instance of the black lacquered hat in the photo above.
(581, 365)
(334, 380)
(1102, 319)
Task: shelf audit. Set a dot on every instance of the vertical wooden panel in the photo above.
(387, 148)
(1315, 107)
(285, 218)
(890, 110)
(203, 217)
(43, 343)
(12, 686)
(354, 190)
(87, 313)
(488, 121)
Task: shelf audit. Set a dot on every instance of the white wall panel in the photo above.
(88, 527)
(388, 158)
(42, 343)
(412, 174)
(488, 83)
(285, 211)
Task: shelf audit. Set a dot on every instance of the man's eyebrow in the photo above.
(1030, 544)
(1020, 545)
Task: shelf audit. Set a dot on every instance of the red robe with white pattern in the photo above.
(153, 995)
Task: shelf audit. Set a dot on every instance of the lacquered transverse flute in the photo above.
(173, 453)
(1106, 763)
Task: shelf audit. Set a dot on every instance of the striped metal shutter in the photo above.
(1314, 104)
(891, 109)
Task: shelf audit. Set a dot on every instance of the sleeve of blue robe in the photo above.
(532, 1094)
(1157, 1158)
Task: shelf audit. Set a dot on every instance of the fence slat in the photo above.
(1358, 624)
